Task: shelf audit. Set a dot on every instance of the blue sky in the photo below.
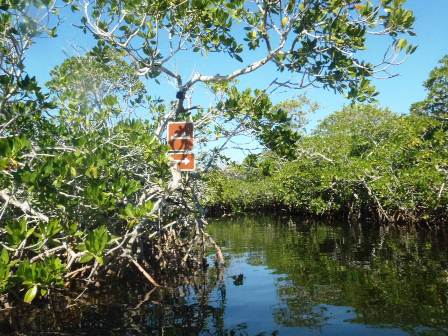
(396, 93)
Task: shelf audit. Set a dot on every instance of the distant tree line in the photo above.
(361, 162)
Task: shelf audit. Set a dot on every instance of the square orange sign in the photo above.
(185, 161)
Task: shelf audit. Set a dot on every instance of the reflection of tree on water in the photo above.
(298, 310)
(196, 308)
(396, 277)
(300, 305)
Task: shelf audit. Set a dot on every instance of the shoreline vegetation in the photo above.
(360, 163)
(363, 162)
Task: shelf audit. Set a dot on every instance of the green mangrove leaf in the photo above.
(86, 258)
(30, 294)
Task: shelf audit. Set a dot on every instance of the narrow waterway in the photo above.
(284, 277)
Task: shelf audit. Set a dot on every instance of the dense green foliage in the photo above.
(361, 161)
(86, 189)
(74, 167)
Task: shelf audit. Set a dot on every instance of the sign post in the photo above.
(181, 139)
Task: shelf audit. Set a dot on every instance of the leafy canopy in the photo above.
(436, 102)
(318, 41)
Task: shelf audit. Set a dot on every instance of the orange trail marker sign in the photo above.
(180, 139)
(180, 136)
(181, 144)
(185, 161)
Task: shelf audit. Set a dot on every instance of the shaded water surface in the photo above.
(284, 277)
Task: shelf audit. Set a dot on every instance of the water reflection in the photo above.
(283, 277)
(391, 280)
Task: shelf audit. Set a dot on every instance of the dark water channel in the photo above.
(284, 277)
